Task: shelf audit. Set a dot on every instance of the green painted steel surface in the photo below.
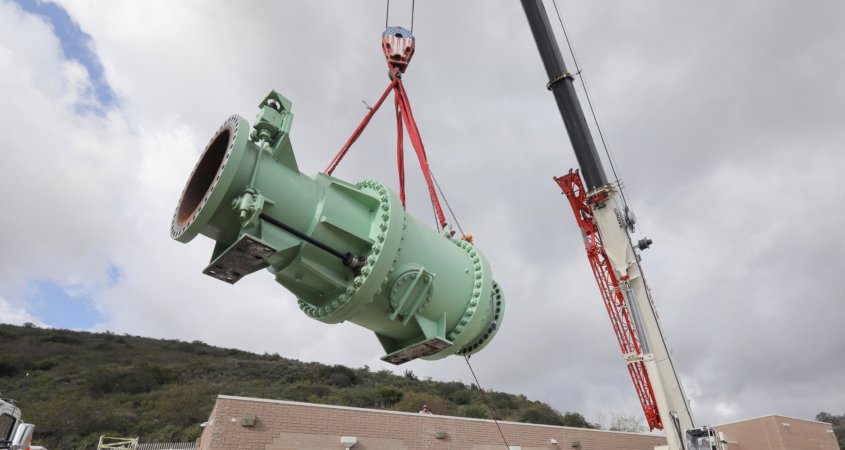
(423, 294)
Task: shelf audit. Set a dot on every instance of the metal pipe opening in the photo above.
(202, 180)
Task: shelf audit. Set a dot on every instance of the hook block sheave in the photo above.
(348, 252)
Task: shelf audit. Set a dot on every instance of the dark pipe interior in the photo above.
(203, 177)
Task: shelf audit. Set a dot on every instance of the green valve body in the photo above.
(346, 251)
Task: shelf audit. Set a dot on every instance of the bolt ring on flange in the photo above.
(208, 181)
(381, 225)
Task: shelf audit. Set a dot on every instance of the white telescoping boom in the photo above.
(605, 224)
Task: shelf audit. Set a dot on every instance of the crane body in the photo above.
(606, 224)
(15, 434)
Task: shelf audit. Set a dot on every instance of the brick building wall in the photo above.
(283, 425)
(770, 433)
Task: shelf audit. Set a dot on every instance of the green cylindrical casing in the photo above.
(423, 294)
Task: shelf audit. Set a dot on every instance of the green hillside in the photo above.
(75, 386)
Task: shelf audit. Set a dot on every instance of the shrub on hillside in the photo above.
(186, 404)
(9, 368)
(389, 396)
(337, 375)
(477, 411)
(302, 391)
(413, 401)
(542, 414)
(63, 339)
(464, 397)
(134, 380)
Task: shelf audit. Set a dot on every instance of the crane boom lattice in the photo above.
(611, 293)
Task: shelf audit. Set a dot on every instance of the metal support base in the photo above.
(424, 348)
(245, 256)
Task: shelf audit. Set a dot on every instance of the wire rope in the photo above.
(487, 402)
(593, 113)
(446, 201)
(387, 14)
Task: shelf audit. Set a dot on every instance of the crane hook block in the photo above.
(348, 252)
(398, 45)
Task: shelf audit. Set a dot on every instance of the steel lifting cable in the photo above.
(487, 402)
(449, 207)
(399, 149)
(404, 116)
(387, 14)
(578, 72)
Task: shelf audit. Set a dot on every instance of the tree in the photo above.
(542, 414)
(338, 375)
(389, 396)
(184, 405)
(574, 419)
(464, 397)
(409, 375)
(838, 425)
(615, 421)
(82, 385)
(413, 401)
(475, 410)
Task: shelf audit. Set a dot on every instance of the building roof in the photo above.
(383, 411)
(770, 415)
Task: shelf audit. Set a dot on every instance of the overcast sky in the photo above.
(725, 118)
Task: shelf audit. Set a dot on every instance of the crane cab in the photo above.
(704, 438)
(10, 417)
(14, 434)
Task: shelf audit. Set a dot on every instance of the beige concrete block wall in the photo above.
(284, 425)
(769, 433)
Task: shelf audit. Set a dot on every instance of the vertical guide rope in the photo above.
(413, 6)
(487, 402)
(387, 14)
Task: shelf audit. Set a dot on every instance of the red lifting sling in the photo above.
(398, 45)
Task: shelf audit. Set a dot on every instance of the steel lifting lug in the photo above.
(249, 205)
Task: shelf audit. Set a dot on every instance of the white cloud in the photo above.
(732, 154)
(15, 315)
(63, 171)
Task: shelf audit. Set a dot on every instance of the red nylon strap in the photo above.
(416, 141)
(359, 130)
(403, 115)
(400, 156)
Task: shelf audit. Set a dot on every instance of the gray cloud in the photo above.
(724, 118)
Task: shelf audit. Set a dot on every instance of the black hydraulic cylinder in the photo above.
(561, 85)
